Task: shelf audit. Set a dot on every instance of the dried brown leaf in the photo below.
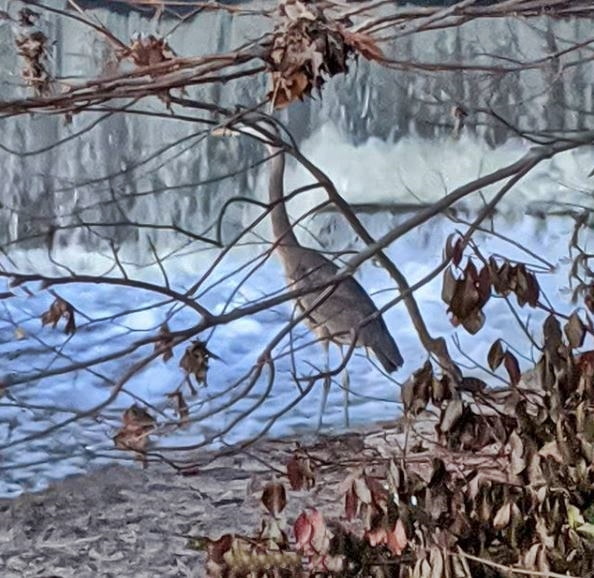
(134, 434)
(551, 450)
(274, 498)
(495, 355)
(148, 51)
(502, 517)
(575, 331)
(474, 321)
(164, 344)
(516, 448)
(183, 411)
(451, 415)
(195, 360)
(289, 89)
(300, 472)
(296, 10)
(437, 563)
(351, 504)
(483, 286)
(449, 286)
(363, 44)
(60, 309)
(552, 336)
(513, 367)
(362, 489)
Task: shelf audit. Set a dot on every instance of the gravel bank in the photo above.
(128, 522)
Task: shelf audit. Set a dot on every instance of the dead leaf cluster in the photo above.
(134, 433)
(424, 387)
(466, 290)
(300, 472)
(195, 360)
(147, 51)
(504, 483)
(511, 483)
(32, 48)
(307, 47)
(60, 309)
(183, 411)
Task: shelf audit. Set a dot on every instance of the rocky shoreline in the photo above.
(128, 522)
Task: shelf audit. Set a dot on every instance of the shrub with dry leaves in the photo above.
(505, 481)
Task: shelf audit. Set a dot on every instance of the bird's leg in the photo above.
(346, 383)
(327, 382)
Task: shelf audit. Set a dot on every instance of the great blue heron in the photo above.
(342, 315)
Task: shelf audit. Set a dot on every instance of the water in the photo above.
(130, 167)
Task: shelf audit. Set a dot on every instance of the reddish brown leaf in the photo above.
(394, 538)
(195, 360)
(397, 540)
(513, 367)
(287, 89)
(495, 355)
(351, 504)
(363, 44)
(60, 309)
(134, 434)
(303, 531)
(164, 344)
(483, 286)
(311, 533)
(458, 251)
(586, 363)
(183, 410)
(533, 290)
(575, 330)
(218, 548)
(299, 472)
(274, 498)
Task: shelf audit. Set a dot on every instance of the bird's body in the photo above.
(348, 310)
(345, 313)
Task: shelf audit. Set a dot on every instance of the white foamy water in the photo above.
(413, 169)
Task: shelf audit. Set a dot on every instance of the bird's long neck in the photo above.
(281, 226)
